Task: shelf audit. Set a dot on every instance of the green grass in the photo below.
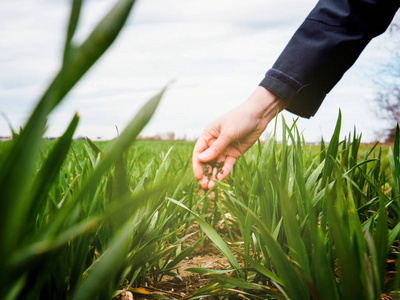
(318, 226)
(279, 197)
(84, 245)
(73, 224)
(79, 217)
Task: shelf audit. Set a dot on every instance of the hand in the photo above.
(231, 135)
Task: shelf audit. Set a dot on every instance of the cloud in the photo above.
(250, 13)
(217, 52)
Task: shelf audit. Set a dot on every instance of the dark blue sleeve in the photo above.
(323, 48)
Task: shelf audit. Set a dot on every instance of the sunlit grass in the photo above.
(313, 225)
(79, 217)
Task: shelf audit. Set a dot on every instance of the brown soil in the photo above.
(179, 288)
(206, 256)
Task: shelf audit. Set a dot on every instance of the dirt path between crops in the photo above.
(206, 256)
(180, 287)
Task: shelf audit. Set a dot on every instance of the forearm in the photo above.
(265, 104)
(324, 47)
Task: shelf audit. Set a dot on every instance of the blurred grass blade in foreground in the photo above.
(17, 165)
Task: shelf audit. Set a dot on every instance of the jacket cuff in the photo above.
(303, 99)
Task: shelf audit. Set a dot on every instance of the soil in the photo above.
(211, 167)
(210, 258)
(178, 288)
(206, 256)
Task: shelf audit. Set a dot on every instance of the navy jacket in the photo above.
(323, 48)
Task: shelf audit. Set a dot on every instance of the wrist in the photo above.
(266, 104)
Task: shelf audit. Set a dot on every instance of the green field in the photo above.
(298, 222)
(85, 220)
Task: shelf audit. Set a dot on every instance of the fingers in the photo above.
(200, 146)
(207, 149)
(216, 149)
(218, 172)
(226, 169)
(205, 181)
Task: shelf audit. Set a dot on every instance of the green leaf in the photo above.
(104, 270)
(240, 283)
(73, 22)
(292, 231)
(332, 149)
(94, 147)
(182, 255)
(82, 58)
(260, 268)
(203, 271)
(213, 235)
(350, 281)
(51, 169)
(122, 143)
(294, 285)
(381, 241)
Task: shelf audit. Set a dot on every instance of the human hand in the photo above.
(228, 137)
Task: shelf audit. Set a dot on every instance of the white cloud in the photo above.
(252, 13)
(217, 51)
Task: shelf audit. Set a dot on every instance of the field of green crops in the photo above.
(81, 220)
(303, 222)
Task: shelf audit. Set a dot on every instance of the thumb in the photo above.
(217, 148)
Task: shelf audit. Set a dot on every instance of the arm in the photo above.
(323, 48)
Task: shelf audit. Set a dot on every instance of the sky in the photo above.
(216, 53)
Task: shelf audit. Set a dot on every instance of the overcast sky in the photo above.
(216, 51)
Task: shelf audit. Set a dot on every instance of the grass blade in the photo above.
(213, 235)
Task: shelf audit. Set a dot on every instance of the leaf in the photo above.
(79, 61)
(73, 22)
(94, 147)
(294, 285)
(50, 169)
(107, 266)
(351, 285)
(203, 271)
(139, 291)
(292, 231)
(183, 254)
(18, 164)
(381, 241)
(332, 150)
(240, 283)
(213, 235)
(121, 144)
(260, 268)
